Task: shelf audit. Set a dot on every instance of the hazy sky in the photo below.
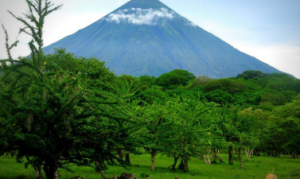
(266, 29)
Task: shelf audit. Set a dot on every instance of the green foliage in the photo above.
(274, 97)
(59, 108)
(251, 74)
(174, 78)
(90, 68)
(219, 96)
(127, 78)
(284, 128)
(189, 124)
(247, 98)
(200, 80)
(227, 85)
(153, 94)
(60, 111)
(279, 82)
(147, 80)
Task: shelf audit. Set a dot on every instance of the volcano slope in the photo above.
(146, 37)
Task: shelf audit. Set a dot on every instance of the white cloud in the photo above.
(140, 16)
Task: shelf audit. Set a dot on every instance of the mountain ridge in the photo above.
(146, 37)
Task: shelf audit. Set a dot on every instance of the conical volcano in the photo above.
(146, 37)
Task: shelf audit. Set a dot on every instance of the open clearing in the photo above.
(256, 168)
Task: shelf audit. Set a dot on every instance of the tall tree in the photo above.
(58, 116)
(52, 114)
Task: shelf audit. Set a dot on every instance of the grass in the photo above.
(256, 168)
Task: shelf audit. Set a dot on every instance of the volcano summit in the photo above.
(145, 37)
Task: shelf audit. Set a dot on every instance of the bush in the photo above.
(227, 85)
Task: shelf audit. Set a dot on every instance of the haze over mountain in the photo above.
(145, 37)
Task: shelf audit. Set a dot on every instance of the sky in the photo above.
(266, 29)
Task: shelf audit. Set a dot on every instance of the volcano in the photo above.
(146, 37)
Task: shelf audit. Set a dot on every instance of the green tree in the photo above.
(154, 117)
(235, 129)
(187, 133)
(58, 116)
(282, 130)
(274, 97)
(147, 126)
(230, 86)
(219, 96)
(250, 137)
(154, 94)
(51, 113)
(174, 78)
(147, 80)
(251, 74)
(200, 80)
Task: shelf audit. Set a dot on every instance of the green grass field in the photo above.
(256, 168)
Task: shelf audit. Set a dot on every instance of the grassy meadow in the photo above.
(256, 168)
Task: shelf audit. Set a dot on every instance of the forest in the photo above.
(58, 109)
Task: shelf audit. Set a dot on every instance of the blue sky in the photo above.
(266, 29)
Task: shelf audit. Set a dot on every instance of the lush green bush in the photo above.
(230, 86)
(174, 78)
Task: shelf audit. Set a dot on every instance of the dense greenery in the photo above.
(60, 109)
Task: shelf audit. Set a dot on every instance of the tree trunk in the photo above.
(239, 156)
(102, 174)
(294, 155)
(51, 171)
(127, 158)
(181, 165)
(219, 156)
(97, 166)
(206, 159)
(37, 168)
(56, 174)
(153, 154)
(230, 153)
(248, 153)
(214, 155)
(186, 165)
(175, 162)
(120, 154)
(38, 172)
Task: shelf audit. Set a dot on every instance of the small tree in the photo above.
(174, 78)
(155, 117)
(187, 133)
